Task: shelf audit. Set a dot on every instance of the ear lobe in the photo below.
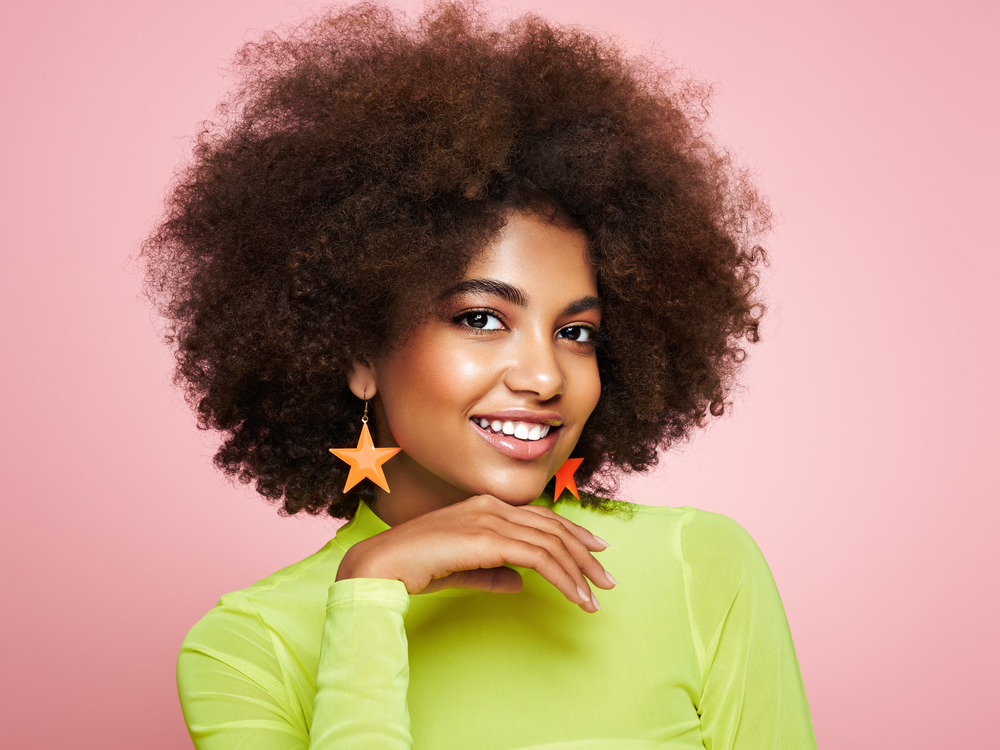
(361, 380)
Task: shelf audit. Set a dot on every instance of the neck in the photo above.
(415, 491)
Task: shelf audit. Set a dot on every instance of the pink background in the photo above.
(857, 457)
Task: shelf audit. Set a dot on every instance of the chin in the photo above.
(514, 497)
(520, 500)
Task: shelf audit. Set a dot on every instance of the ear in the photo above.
(361, 380)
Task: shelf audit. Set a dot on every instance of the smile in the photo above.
(518, 430)
(505, 435)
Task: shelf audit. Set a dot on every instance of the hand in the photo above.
(466, 545)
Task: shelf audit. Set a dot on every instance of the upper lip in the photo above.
(550, 418)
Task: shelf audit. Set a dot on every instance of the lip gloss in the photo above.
(523, 450)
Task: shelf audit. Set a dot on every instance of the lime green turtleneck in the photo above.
(691, 650)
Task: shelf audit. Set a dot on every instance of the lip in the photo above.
(522, 450)
(550, 418)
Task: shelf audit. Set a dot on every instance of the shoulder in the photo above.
(712, 536)
(251, 612)
(726, 575)
(697, 530)
(706, 544)
(716, 548)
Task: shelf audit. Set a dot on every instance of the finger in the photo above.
(554, 524)
(541, 560)
(547, 554)
(591, 541)
(495, 580)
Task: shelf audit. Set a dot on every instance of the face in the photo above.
(490, 395)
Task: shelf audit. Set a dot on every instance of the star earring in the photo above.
(564, 478)
(366, 460)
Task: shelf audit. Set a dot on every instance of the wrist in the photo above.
(356, 565)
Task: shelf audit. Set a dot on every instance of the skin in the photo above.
(513, 341)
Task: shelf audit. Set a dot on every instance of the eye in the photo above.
(481, 320)
(580, 334)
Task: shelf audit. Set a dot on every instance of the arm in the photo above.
(234, 694)
(752, 693)
(234, 691)
(364, 668)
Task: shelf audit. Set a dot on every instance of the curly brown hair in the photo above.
(361, 158)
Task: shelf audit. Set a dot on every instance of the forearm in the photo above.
(363, 674)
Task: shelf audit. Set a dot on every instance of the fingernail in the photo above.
(596, 603)
(584, 595)
(611, 578)
(600, 540)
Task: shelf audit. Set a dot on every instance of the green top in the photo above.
(690, 650)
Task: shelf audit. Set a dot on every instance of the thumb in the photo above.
(500, 580)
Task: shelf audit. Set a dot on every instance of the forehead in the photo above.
(538, 255)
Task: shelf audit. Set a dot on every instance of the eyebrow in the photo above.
(584, 304)
(514, 295)
(509, 292)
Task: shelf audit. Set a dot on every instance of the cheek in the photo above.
(420, 371)
(442, 373)
(428, 382)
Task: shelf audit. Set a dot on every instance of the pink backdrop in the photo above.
(857, 456)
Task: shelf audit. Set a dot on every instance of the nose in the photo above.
(535, 369)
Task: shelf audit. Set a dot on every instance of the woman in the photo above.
(511, 259)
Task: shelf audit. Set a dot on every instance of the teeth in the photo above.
(520, 430)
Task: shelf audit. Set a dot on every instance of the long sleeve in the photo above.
(363, 669)
(691, 651)
(235, 691)
(231, 686)
(752, 695)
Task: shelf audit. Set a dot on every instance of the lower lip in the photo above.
(523, 450)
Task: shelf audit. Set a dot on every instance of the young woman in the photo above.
(483, 266)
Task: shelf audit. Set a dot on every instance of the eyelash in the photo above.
(466, 314)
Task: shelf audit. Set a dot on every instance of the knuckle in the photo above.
(556, 527)
(479, 501)
(542, 555)
(554, 541)
(487, 503)
(484, 534)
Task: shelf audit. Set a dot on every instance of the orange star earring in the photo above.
(564, 478)
(366, 460)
